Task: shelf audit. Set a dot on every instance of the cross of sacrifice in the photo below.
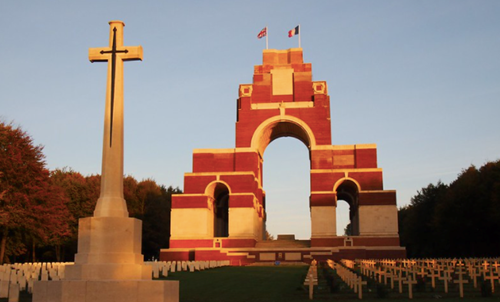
(115, 54)
(461, 281)
(111, 202)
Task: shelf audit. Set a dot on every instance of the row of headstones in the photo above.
(353, 280)
(20, 276)
(164, 267)
(312, 278)
(458, 271)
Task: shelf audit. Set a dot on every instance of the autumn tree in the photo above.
(32, 210)
(82, 193)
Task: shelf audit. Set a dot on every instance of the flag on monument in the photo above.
(262, 33)
(293, 32)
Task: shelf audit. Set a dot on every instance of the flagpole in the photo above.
(267, 35)
(300, 30)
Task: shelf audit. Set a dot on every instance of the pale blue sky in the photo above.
(421, 79)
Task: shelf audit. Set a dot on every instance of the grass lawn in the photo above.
(243, 284)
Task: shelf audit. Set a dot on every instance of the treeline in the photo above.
(457, 220)
(39, 209)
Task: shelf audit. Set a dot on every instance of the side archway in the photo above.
(347, 189)
(218, 193)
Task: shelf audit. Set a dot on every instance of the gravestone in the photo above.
(4, 289)
(14, 292)
(109, 265)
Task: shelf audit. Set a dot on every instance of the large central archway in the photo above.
(282, 126)
(286, 173)
(295, 211)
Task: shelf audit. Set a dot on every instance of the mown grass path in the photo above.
(243, 284)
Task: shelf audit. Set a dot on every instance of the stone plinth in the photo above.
(109, 248)
(108, 267)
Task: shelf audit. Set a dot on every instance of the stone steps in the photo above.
(283, 244)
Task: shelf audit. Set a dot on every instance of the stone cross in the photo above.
(311, 286)
(400, 279)
(461, 281)
(491, 276)
(485, 266)
(422, 272)
(473, 273)
(496, 265)
(446, 277)
(433, 274)
(111, 202)
(391, 275)
(410, 283)
(359, 285)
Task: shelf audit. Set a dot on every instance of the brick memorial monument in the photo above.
(222, 212)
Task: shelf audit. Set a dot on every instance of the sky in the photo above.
(421, 79)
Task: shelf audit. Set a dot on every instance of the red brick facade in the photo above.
(284, 101)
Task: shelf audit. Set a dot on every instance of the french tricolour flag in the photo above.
(293, 32)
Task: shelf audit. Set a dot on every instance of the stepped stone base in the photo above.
(291, 251)
(109, 267)
(106, 291)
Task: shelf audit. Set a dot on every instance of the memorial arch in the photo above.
(221, 213)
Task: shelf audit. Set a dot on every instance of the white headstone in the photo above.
(4, 289)
(14, 292)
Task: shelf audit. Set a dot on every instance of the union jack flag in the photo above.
(262, 33)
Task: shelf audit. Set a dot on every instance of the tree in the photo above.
(31, 209)
(416, 227)
(457, 220)
(157, 202)
(269, 236)
(348, 229)
(82, 193)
